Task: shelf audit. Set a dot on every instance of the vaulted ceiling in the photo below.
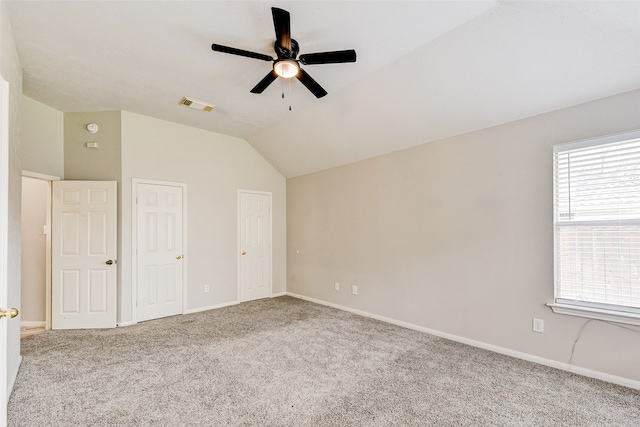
(426, 70)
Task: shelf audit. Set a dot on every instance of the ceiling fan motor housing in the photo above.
(287, 54)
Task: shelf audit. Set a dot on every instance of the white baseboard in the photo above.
(190, 311)
(502, 350)
(129, 323)
(211, 307)
(12, 376)
(279, 294)
(32, 324)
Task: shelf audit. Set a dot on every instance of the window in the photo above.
(597, 228)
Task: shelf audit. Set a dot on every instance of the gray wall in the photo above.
(457, 236)
(214, 167)
(102, 163)
(42, 138)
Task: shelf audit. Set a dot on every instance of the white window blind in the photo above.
(597, 223)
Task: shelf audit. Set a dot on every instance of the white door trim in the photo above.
(134, 242)
(49, 179)
(42, 176)
(239, 240)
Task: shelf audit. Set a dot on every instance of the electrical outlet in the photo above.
(206, 288)
(337, 286)
(354, 290)
(538, 325)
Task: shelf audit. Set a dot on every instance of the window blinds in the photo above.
(597, 223)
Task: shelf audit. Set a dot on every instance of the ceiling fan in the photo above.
(286, 65)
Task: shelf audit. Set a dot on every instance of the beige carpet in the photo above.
(286, 362)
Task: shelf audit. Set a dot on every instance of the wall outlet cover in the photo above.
(538, 325)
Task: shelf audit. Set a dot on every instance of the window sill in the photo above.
(596, 313)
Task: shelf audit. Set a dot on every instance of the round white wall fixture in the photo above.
(92, 127)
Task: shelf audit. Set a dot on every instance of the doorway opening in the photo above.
(35, 289)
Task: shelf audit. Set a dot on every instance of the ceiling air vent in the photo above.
(194, 103)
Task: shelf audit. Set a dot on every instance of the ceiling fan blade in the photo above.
(240, 52)
(310, 84)
(265, 82)
(282, 25)
(336, 57)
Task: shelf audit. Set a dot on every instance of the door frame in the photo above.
(134, 241)
(239, 239)
(49, 179)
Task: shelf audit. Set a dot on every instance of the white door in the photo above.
(4, 385)
(255, 245)
(159, 249)
(4, 255)
(84, 271)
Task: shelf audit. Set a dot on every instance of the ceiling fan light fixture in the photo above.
(286, 68)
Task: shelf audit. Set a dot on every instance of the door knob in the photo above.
(109, 262)
(11, 313)
(178, 256)
(244, 253)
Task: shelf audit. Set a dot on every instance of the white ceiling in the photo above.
(425, 70)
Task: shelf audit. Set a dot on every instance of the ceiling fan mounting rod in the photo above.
(287, 54)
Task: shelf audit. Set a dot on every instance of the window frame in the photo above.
(593, 310)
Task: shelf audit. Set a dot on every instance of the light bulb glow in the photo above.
(286, 68)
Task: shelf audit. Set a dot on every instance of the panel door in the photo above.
(84, 248)
(159, 248)
(4, 253)
(255, 246)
